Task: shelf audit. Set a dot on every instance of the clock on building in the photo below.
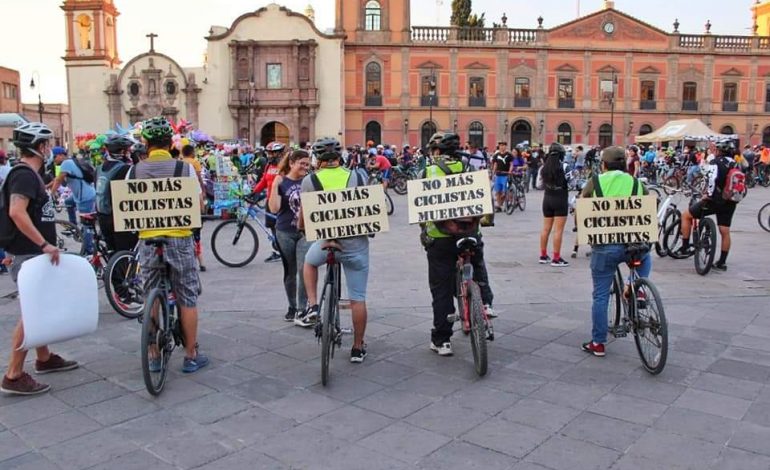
(609, 27)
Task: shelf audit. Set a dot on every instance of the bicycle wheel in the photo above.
(522, 199)
(478, 329)
(231, 246)
(389, 203)
(399, 184)
(614, 307)
(650, 326)
(705, 246)
(672, 240)
(328, 307)
(68, 236)
(508, 204)
(123, 285)
(156, 341)
(765, 181)
(670, 182)
(763, 217)
(670, 218)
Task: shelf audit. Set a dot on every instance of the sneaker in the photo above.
(574, 254)
(498, 209)
(23, 385)
(357, 355)
(597, 349)
(445, 349)
(55, 363)
(545, 259)
(307, 318)
(490, 311)
(154, 365)
(685, 251)
(290, 315)
(192, 365)
(559, 263)
(203, 268)
(273, 258)
(720, 266)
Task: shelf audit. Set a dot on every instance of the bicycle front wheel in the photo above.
(399, 184)
(123, 285)
(478, 329)
(706, 246)
(522, 200)
(509, 203)
(763, 216)
(650, 327)
(389, 203)
(234, 243)
(156, 341)
(614, 307)
(328, 310)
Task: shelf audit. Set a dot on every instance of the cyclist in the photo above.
(713, 203)
(501, 166)
(353, 252)
(179, 252)
(553, 179)
(533, 165)
(379, 162)
(116, 164)
(274, 155)
(30, 217)
(440, 242)
(614, 181)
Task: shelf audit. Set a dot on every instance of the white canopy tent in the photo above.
(683, 129)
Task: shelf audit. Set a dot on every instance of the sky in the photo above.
(33, 38)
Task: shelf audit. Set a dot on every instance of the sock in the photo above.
(723, 257)
(543, 253)
(556, 255)
(575, 249)
(686, 242)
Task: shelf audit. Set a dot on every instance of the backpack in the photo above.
(8, 230)
(735, 185)
(86, 168)
(103, 194)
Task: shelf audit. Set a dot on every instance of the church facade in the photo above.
(600, 79)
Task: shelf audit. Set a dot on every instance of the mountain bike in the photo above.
(328, 330)
(94, 247)
(763, 217)
(123, 283)
(231, 245)
(375, 177)
(161, 323)
(704, 243)
(473, 317)
(636, 307)
(515, 195)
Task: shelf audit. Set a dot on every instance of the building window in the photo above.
(564, 134)
(521, 98)
(274, 77)
(373, 132)
(133, 89)
(476, 134)
(730, 97)
(566, 93)
(727, 130)
(647, 98)
(428, 91)
(10, 91)
(605, 135)
(690, 96)
(426, 132)
(476, 92)
(372, 16)
(373, 84)
(170, 88)
(645, 129)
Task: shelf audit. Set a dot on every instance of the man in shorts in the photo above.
(501, 167)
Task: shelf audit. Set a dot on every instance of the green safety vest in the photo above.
(333, 178)
(617, 183)
(434, 171)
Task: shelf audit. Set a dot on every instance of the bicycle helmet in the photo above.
(447, 142)
(557, 149)
(157, 129)
(726, 147)
(327, 148)
(275, 147)
(29, 135)
(117, 144)
(138, 150)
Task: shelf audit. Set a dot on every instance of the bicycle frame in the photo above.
(254, 212)
(464, 277)
(333, 277)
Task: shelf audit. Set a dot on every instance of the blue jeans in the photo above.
(604, 260)
(87, 207)
(691, 172)
(70, 205)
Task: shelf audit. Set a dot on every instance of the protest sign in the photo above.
(344, 213)
(156, 204)
(449, 197)
(617, 220)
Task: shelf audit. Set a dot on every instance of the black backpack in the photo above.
(86, 168)
(103, 194)
(8, 230)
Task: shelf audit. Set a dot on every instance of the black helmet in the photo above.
(327, 148)
(447, 142)
(557, 149)
(157, 129)
(117, 144)
(138, 150)
(28, 135)
(726, 147)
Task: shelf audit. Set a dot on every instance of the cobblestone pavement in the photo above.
(543, 405)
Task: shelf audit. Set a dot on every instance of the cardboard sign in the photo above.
(617, 220)
(344, 213)
(449, 197)
(156, 204)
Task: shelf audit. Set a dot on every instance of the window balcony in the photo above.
(568, 103)
(648, 105)
(477, 101)
(521, 102)
(730, 106)
(689, 105)
(426, 100)
(373, 101)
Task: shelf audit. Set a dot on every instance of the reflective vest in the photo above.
(618, 184)
(434, 171)
(333, 178)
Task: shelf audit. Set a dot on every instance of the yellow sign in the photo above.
(449, 197)
(155, 204)
(344, 213)
(617, 220)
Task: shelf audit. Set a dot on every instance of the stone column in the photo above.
(708, 84)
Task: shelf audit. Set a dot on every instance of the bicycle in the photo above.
(640, 313)
(375, 177)
(515, 195)
(763, 217)
(227, 243)
(94, 247)
(161, 323)
(123, 283)
(704, 243)
(69, 238)
(472, 315)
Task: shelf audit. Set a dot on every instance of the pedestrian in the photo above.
(286, 204)
(553, 180)
(533, 165)
(28, 226)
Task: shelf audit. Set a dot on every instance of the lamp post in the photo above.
(252, 84)
(40, 107)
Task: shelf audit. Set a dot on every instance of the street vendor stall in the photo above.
(683, 130)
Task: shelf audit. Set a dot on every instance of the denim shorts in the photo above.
(355, 263)
(501, 183)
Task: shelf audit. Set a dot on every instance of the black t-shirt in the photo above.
(534, 160)
(503, 162)
(288, 215)
(27, 183)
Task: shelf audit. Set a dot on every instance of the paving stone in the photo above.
(565, 453)
(560, 352)
(692, 423)
(263, 390)
(405, 442)
(11, 446)
(250, 426)
(177, 390)
(634, 462)
(351, 457)
(394, 403)
(524, 465)
(192, 448)
(21, 413)
(246, 459)
(303, 406)
(734, 459)
(741, 370)
(572, 395)
(136, 460)
(478, 397)
(347, 388)
(507, 437)
(223, 377)
(431, 385)
(314, 445)
(29, 461)
(267, 363)
(708, 402)
(759, 413)
(725, 385)
(603, 431)
(668, 449)
(751, 437)
(51, 431)
(519, 383)
(442, 418)
(350, 423)
(386, 372)
(539, 414)
(462, 455)
(151, 428)
(517, 343)
(211, 408)
(118, 410)
(632, 409)
(544, 367)
(103, 445)
(89, 393)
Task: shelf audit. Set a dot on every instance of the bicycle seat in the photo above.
(88, 218)
(157, 242)
(467, 243)
(635, 252)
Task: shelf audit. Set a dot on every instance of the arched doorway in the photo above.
(645, 129)
(373, 132)
(564, 134)
(274, 131)
(476, 134)
(605, 135)
(426, 132)
(728, 130)
(520, 131)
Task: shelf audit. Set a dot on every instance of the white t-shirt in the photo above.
(4, 170)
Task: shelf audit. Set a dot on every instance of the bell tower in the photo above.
(373, 20)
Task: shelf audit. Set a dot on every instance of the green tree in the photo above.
(461, 12)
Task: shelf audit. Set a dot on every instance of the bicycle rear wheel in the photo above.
(232, 245)
(672, 240)
(522, 199)
(650, 326)
(478, 329)
(763, 217)
(156, 341)
(509, 201)
(705, 246)
(671, 217)
(614, 307)
(328, 310)
(123, 285)
(399, 184)
(389, 203)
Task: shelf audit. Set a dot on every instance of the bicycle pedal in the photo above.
(452, 318)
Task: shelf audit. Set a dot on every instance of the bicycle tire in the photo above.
(508, 203)
(247, 253)
(161, 337)
(399, 184)
(673, 240)
(671, 182)
(765, 178)
(522, 200)
(705, 246)
(389, 203)
(327, 329)
(615, 306)
(671, 217)
(763, 217)
(121, 265)
(656, 324)
(478, 329)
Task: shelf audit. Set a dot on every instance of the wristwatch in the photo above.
(43, 245)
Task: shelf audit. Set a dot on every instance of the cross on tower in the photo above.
(152, 37)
